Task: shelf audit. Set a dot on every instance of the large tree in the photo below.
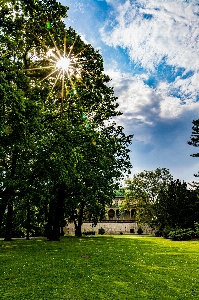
(20, 22)
(177, 206)
(143, 189)
(57, 136)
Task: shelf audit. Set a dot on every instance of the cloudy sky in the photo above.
(151, 51)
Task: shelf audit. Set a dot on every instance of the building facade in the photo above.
(115, 222)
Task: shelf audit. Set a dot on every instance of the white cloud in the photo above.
(155, 29)
(133, 94)
(188, 88)
(144, 105)
(160, 123)
(80, 7)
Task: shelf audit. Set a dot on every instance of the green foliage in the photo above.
(140, 231)
(143, 189)
(101, 231)
(144, 268)
(120, 192)
(194, 141)
(23, 131)
(195, 138)
(161, 202)
(88, 233)
(177, 206)
(165, 232)
(181, 234)
(59, 148)
(196, 227)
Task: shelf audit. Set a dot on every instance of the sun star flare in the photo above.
(64, 67)
(63, 63)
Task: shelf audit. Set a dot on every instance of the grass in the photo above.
(99, 267)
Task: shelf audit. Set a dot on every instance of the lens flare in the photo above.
(63, 64)
(66, 68)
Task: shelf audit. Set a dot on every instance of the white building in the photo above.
(116, 221)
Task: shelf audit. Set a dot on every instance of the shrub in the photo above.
(101, 231)
(158, 233)
(166, 231)
(140, 231)
(89, 233)
(181, 234)
(196, 226)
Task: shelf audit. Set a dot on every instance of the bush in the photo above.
(101, 231)
(140, 231)
(89, 233)
(196, 226)
(166, 231)
(181, 234)
(158, 233)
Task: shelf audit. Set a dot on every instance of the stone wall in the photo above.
(110, 228)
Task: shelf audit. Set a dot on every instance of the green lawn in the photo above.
(99, 267)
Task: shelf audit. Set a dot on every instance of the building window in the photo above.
(116, 202)
(111, 214)
(133, 214)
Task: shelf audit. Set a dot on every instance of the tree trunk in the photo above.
(62, 231)
(8, 235)
(8, 193)
(56, 230)
(78, 230)
(46, 220)
(49, 226)
(28, 221)
(55, 213)
(78, 227)
(55, 233)
(3, 205)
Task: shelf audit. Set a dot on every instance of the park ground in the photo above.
(99, 267)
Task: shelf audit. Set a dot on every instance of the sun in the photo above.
(68, 71)
(62, 64)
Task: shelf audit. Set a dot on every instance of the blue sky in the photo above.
(151, 51)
